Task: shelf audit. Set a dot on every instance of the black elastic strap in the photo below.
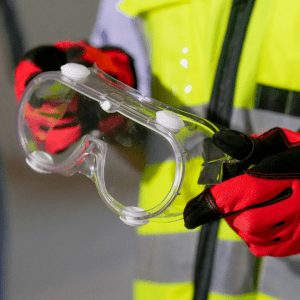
(220, 105)
(219, 112)
(204, 259)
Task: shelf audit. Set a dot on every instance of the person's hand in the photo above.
(71, 127)
(261, 198)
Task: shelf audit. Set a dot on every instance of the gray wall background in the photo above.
(63, 243)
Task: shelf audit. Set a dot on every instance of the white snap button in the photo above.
(75, 71)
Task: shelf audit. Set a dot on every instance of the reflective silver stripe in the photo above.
(194, 147)
(233, 270)
(166, 258)
(259, 120)
(254, 120)
(280, 277)
(198, 110)
(170, 258)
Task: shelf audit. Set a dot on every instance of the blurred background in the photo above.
(61, 241)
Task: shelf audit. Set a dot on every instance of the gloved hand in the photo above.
(70, 128)
(260, 203)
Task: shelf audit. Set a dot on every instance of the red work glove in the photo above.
(261, 203)
(50, 58)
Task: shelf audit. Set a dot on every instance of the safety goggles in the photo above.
(142, 155)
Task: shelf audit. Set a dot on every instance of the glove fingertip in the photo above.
(233, 143)
(200, 210)
(48, 58)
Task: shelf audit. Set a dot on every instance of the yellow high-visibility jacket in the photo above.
(185, 39)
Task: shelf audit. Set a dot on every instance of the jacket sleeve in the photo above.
(112, 28)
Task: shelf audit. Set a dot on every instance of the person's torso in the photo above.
(186, 39)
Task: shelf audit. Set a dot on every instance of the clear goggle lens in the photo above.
(55, 114)
(132, 164)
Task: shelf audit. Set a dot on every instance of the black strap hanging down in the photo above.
(219, 112)
(220, 106)
(204, 259)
